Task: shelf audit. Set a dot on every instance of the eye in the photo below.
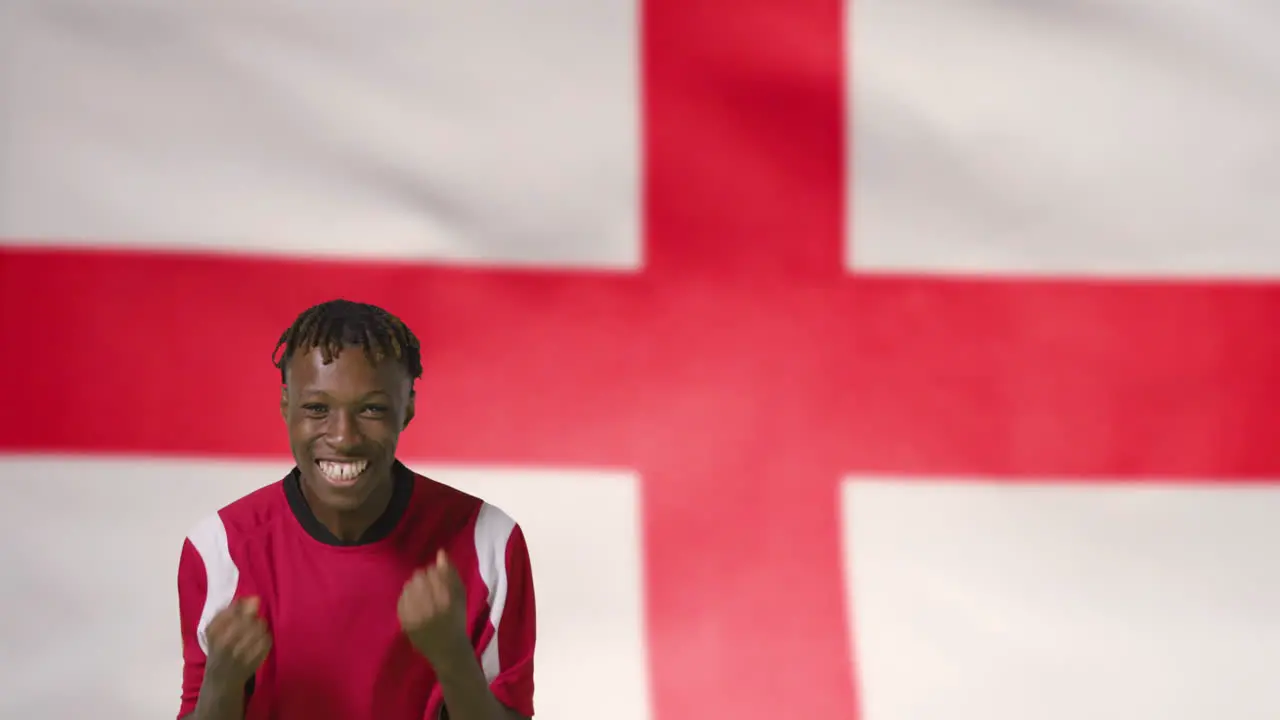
(315, 409)
(375, 410)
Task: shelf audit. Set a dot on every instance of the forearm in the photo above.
(466, 692)
(218, 701)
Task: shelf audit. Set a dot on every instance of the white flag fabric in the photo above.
(884, 360)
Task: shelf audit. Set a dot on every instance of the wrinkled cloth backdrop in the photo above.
(903, 360)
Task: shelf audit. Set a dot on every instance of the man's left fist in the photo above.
(433, 611)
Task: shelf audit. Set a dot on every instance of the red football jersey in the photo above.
(338, 651)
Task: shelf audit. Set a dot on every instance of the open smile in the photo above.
(342, 473)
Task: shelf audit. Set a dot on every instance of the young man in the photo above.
(354, 589)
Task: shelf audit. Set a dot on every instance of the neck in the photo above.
(351, 525)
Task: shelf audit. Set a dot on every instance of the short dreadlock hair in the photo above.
(337, 324)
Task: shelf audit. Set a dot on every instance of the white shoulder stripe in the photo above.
(209, 538)
(493, 529)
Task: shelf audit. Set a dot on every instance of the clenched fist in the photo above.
(433, 612)
(238, 642)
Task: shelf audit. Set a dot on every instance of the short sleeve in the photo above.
(516, 631)
(193, 588)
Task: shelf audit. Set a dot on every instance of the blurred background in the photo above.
(902, 359)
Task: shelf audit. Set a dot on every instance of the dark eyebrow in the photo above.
(366, 396)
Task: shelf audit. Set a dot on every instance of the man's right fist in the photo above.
(238, 642)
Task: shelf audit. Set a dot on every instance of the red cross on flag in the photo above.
(902, 360)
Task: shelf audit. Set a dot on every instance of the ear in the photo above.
(284, 403)
(408, 411)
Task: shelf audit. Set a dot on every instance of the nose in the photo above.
(343, 432)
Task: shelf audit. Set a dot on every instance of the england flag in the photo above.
(884, 359)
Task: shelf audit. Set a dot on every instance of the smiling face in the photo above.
(344, 421)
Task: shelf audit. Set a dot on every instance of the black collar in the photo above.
(401, 491)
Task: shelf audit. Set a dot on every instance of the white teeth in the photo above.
(342, 470)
